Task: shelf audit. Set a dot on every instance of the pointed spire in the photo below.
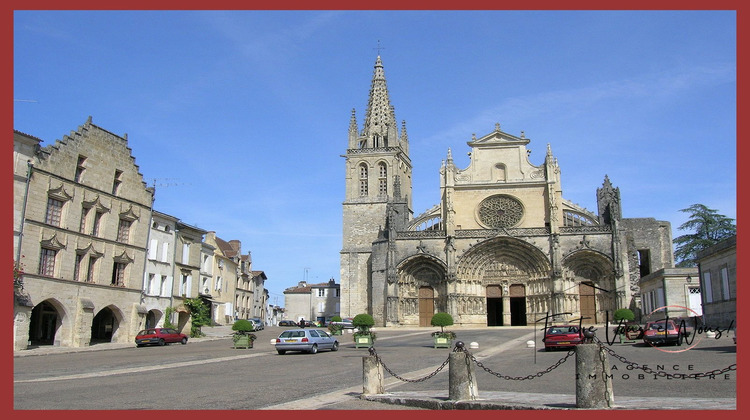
(380, 121)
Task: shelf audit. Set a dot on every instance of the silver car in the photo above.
(307, 340)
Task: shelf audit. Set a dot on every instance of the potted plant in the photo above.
(442, 338)
(363, 337)
(624, 318)
(334, 328)
(243, 337)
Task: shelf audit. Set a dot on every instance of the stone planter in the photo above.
(362, 341)
(442, 342)
(243, 341)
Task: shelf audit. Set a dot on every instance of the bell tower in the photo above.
(378, 172)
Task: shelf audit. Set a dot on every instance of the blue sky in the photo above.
(240, 117)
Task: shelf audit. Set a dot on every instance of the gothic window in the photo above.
(80, 168)
(118, 274)
(382, 180)
(54, 212)
(363, 180)
(500, 211)
(77, 267)
(97, 223)
(84, 216)
(90, 272)
(117, 182)
(123, 230)
(47, 262)
(376, 141)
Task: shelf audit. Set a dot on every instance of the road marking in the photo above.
(138, 369)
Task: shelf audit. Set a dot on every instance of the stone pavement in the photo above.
(438, 399)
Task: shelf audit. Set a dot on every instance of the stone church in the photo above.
(502, 247)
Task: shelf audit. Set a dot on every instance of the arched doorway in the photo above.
(104, 326)
(151, 319)
(587, 301)
(44, 324)
(494, 294)
(517, 304)
(426, 305)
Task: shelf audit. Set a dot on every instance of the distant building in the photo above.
(313, 302)
(158, 282)
(671, 292)
(718, 275)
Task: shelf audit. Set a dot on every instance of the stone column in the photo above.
(372, 376)
(506, 310)
(593, 377)
(462, 380)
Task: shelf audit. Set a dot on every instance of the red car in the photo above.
(160, 336)
(661, 332)
(562, 336)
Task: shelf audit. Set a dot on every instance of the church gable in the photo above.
(499, 157)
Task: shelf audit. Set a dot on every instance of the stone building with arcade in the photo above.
(502, 247)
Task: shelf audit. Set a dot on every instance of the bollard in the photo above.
(372, 375)
(593, 377)
(462, 382)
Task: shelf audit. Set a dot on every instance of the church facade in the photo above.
(503, 246)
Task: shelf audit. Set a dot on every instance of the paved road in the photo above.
(209, 374)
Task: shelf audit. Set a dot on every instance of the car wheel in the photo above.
(184, 341)
(679, 340)
(139, 345)
(162, 342)
(282, 352)
(314, 349)
(335, 346)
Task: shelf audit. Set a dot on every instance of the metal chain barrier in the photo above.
(662, 373)
(554, 366)
(422, 379)
(520, 378)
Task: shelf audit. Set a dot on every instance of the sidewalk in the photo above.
(211, 333)
(494, 400)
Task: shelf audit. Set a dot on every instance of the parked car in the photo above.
(159, 336)
(345, 323)
(562, 336)
(305, 340)
(287, 323)
(662, 332)
(305, 323)
(257, 323)
(632, 330)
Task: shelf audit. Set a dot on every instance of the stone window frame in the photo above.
(364, 173)
(80, 168)
(382, 179)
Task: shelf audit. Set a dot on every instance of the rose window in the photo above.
(500, 211)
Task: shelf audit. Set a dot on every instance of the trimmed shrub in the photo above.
(363, 322)
(441, 319)
(242, 326)
(624, 314)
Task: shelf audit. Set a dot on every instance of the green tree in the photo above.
(200, 315)
(708, 228)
